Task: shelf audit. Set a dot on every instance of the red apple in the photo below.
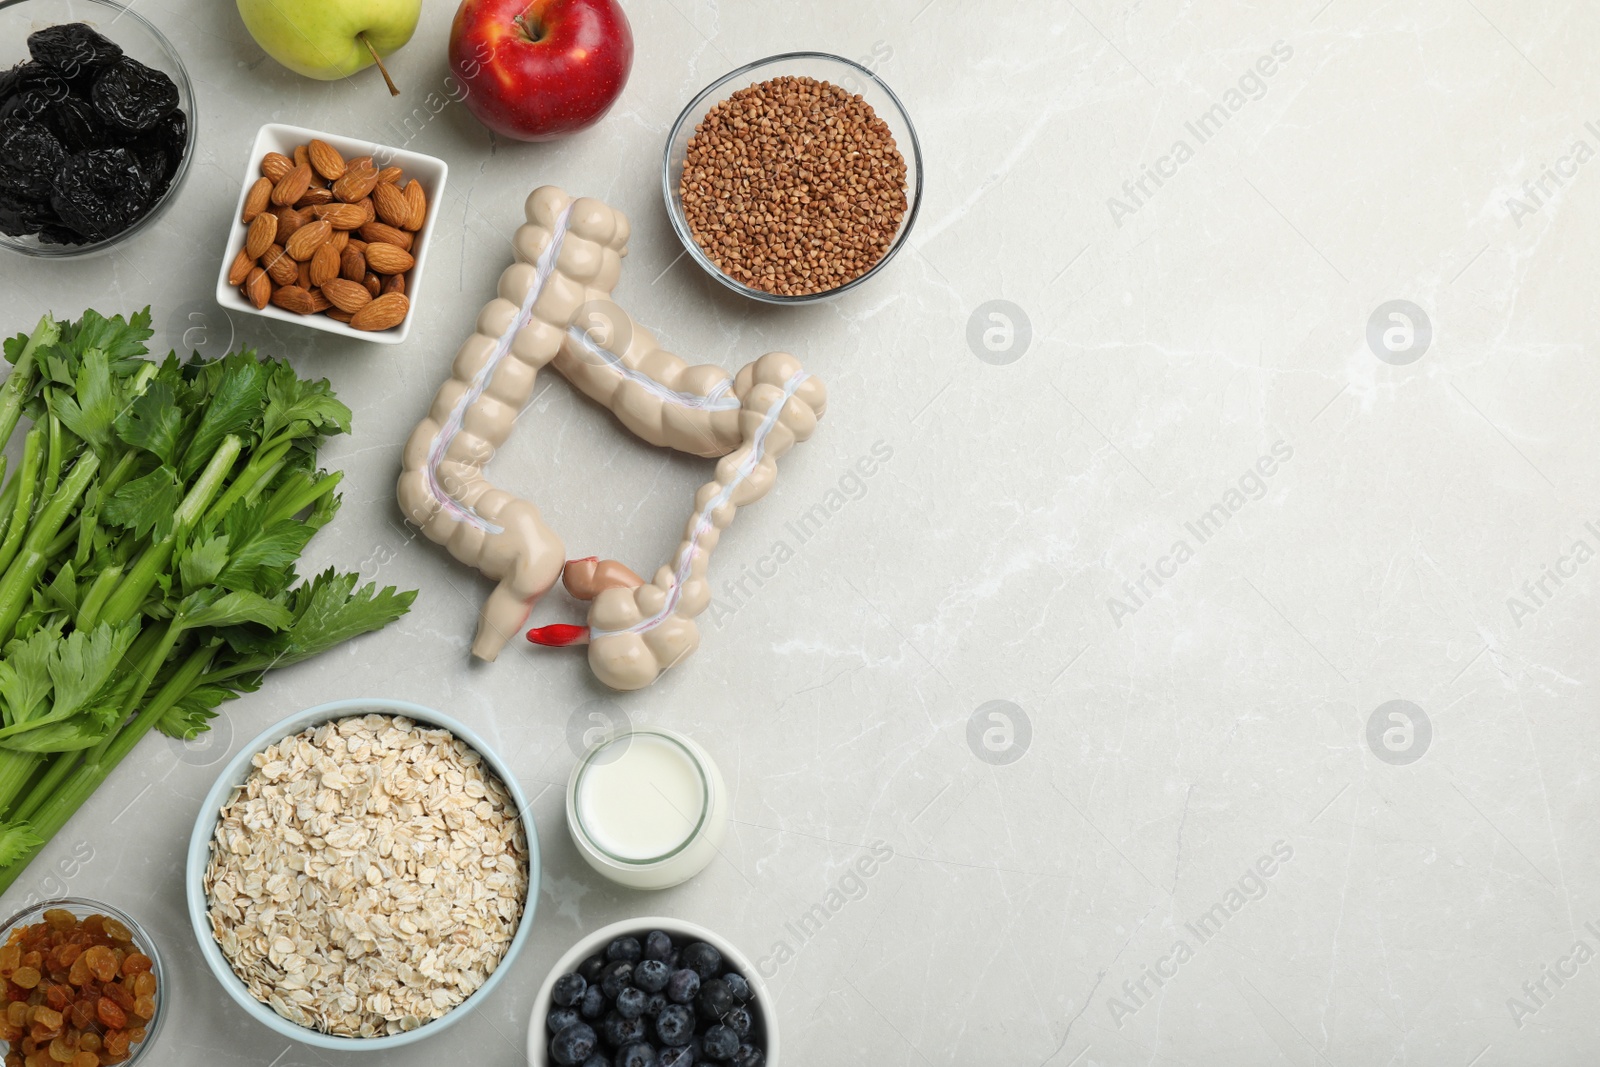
(536, 70)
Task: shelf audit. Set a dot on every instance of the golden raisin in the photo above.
(144, 985)
(111, 1013)
(136, 963)
(79, 974)
(26, 977)
(102, 963)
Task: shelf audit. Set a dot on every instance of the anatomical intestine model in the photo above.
(569, 258)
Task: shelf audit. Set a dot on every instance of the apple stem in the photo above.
(393, 90)
(532, 33)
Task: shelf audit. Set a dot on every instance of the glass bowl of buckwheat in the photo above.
(795, 178)
(359, 875)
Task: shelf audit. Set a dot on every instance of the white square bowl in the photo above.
(430, 173)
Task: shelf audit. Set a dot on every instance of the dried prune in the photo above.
(171, 134)
(101, 192)
(72, 48)
(30, 156)
(133, 97)
(20, 217)
(74, 121)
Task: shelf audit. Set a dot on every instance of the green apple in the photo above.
(329, 39)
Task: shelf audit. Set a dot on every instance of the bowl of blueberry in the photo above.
(96, 125)
(653, 993)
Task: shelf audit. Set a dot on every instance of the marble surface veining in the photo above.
(1232, 389)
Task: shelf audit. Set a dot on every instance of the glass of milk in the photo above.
(647, 808)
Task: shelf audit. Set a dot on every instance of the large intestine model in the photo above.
(569, 258)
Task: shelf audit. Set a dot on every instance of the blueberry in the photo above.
(654, 1003)
(630, 1003)
(650, 975)
(675, 1025)
(624, 948)
(590, 968)
(568, 990)
(657, 946)
(637, 1054)
(618, 1031)
(560, 1019)
(702, 959)
(598, 1059)
(681, 1056)
(593, 1004)
(715, 999)
(739, 1021)
(683, 986)
(573, 1045)
(737, 986)
(672, 959)
(719, 1043)
(749, 1056)
(616, 977)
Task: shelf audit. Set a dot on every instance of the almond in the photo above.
(346, 295)
(391, 204)
(278, 264)
(340, 316)
(302, 158)
(385, 258)
(293, 298)
(365, 204)
(379, 231)
(373, 283)
(262, 232)
(341, 216)
(339, 240)
(395, 283)
(389, 174)
(352, 265)
(418, 201)
(243, 264)
(326, 160)
(257, 288)
(319, 303)
(358, 244)
(275, 165)
(364, 163)
(292, 186)
(386, 312)
(314, 197)
(324, 264)
(289, 220)
(255, 201)
(356, 184)
(307, 239)
(302, 275)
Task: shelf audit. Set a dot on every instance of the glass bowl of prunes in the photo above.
(96, 125)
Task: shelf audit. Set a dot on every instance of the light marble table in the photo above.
(1249, 452)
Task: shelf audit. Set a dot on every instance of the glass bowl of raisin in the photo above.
(81, 986)
(96, 126)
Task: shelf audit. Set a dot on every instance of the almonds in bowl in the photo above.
(331, 233)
